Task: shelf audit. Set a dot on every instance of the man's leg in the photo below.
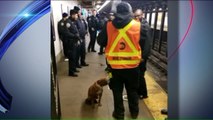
(116, 84)
(83, 53)
(131, 85)
(78, 56)
(90, 42)
(142, 91)
(93, 41)
(101, 50)
(65, 48)
(72, 67)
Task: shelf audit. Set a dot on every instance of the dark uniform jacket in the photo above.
(92, 23)
(72, 34)
(146, 38)
(62, 29)
(82, 27)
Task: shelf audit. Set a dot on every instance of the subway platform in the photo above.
(73, 92)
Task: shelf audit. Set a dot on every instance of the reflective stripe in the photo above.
(123, 62)
(123, 58)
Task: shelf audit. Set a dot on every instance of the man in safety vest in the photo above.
(123, 42)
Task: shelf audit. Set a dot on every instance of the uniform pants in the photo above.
(72, 58)
(83, 52)
(101, 49)
(78, 49)
(142, 82)
(128, 78)
(65, 48)
(92, 40)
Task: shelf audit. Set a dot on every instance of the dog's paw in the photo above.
(99, 104)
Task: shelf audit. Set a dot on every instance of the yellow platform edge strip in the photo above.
(157, 98)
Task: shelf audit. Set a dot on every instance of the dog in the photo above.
(95, 92)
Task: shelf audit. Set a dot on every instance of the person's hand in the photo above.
(78, 42)
(92, 29)
(77, 36)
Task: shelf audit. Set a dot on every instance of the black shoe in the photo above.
(134, 116)
(143, 96)
(84, 64)
(76, 71)
(100, 53)
(164, 111)
(117, 117)
(78, 66)
(93, 50)
(73, 75)
(88, 50)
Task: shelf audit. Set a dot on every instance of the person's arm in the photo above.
(145, 40)
(60, 30)
(69, 34)
(102, 37)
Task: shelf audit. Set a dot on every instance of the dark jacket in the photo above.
(82, 27)
(146, 38)
(72, 34)
(92, 23)
(62, 29)
(120, 22)
(102, 22)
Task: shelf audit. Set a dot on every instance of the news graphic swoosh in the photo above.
(31, 13)
(187, 31)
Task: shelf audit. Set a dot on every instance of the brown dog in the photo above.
(95, 92)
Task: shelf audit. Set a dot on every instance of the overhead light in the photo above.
(105, 3)
(98, 6)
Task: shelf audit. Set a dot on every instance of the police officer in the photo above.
(82, 28)
(73, 40)
(92, 23)
(122, 38)
(146, 36)
(62, 32)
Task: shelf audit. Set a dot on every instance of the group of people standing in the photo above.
(72, 31)
(127, 41)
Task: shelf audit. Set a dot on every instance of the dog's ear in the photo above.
(102, 82)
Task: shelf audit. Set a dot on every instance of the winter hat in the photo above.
(72, 12)
(64, 15)
(76, 8)
(123, 8)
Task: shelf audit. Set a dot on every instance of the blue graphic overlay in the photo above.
(5, 99)
(25, 18)
(18, 25)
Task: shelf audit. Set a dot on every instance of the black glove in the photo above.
(77, 36)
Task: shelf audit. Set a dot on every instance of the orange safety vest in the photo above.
(123, 48)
